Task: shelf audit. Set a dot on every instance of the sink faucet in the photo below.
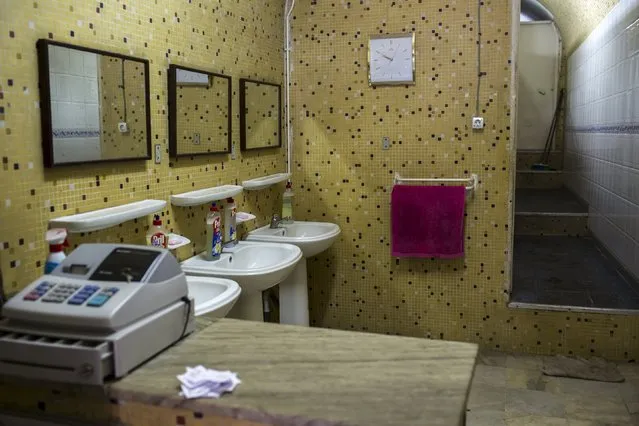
(275, 221)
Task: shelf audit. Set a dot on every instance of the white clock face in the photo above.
(391, 60)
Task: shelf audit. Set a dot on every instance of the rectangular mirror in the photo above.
(260, 114)
(94, 105)
(199, 112)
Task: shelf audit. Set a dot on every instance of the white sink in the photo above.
(214, 297)
(255, 266)
(312, 237)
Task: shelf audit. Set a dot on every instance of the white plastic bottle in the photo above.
(213, 233)
(57, 240)
(230, 222)
(287, 203)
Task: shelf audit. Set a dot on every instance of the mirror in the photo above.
(199, 112)
(94, 105)
(260, 115)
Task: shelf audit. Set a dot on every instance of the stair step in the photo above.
(525, 159)
(541, 179)
(574, 226)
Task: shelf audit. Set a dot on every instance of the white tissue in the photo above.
(200, 382)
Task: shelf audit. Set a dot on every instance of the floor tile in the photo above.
(536, 421)
(596, 409)
(492, 358)
(524, 379)
(524, 362)
(570, 386)
(630, 370)
(485, 417)
(487, 397)
(523, 402)
(489, 375)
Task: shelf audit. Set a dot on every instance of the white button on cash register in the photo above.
(102, 312)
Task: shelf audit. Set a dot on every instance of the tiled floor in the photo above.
(569, 271)
(510, 390)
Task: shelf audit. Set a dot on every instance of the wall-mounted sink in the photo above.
(312, 238)
(255, 266)
(214, 297)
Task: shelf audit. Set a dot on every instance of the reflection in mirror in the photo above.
(260, 115)
(94, 105)
(199, 112)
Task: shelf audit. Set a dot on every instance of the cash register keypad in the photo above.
(76, 294)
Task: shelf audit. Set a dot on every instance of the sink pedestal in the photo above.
(248, 307)
(294, 297)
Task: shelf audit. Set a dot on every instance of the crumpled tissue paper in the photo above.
(201, 382)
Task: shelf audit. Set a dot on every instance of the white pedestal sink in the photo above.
(255, 266)
(312, 238)
(213, 297)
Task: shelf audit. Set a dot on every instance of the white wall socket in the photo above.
(478, 122)
(196, 138)
(386, 143)
(158, 153)
(123, 127)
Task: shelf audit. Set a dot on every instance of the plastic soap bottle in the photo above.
(57, 240)
(157, 236)
(213, 233)
(230, 221)
(287, 203)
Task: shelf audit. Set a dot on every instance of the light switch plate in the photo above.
(386, 143)
(158, 153)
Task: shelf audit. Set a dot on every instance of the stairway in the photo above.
(557, 264)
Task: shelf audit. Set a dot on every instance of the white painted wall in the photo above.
(75, 104)
(602, 131)
(539, 58)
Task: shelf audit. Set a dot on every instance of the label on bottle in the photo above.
(50, 266)
(158, 240)
(217, 236)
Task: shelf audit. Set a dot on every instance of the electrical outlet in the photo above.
(386, 143)
(478, 123)
(196, 138)
(158, 153)
(123, 127)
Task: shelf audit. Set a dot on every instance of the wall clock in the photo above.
(391, 59)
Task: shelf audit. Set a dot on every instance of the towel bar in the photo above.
(473, 180)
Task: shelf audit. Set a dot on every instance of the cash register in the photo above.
(106, 309)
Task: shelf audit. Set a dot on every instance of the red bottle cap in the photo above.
(156, 220)
(213, 208)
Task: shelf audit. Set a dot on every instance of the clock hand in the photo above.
(387, 57)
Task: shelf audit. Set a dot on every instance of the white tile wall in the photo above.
(74, 102)
(602, 136)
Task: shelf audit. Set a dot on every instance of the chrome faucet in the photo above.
(275, 221)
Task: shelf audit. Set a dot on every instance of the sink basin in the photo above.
(311, 237)
(214, 297)
(255, 266)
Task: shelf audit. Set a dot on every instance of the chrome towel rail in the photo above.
(471, 181)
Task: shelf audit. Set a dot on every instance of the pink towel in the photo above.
(427, 221)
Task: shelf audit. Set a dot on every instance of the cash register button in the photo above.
(98, 301)
(76, 301)
(91, 287)
(31, 296)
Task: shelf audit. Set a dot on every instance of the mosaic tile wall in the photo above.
(118, 105)
(203, 111)
(342, 174)
(240, 39)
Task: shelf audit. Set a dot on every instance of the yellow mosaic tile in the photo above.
(342, 174)
(240, 39)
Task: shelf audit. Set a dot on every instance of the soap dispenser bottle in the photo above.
(157, 236)
(213, 233)
(57, 240)
(287, 203)
(230, 222)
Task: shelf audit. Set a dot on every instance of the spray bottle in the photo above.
(213, 233)
(157, 236)
(230, 222)
(287, 203)
(57, 240)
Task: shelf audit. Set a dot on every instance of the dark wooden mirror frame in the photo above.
(46, 121)
(173, 111)
(243, 82)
